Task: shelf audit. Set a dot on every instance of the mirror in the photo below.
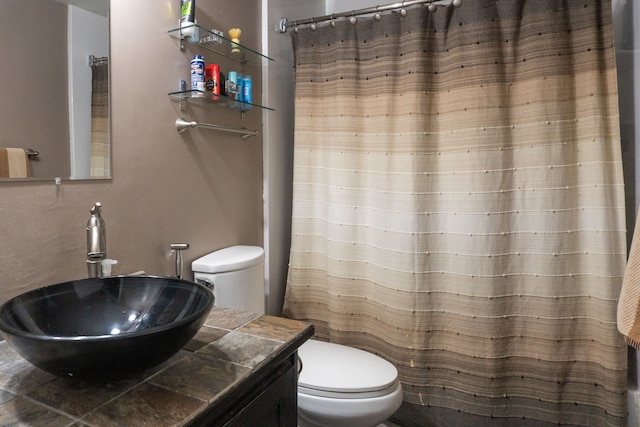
(54, 101)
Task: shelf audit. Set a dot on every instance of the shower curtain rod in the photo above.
(284, 22)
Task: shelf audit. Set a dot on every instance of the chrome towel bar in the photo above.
(183, 125)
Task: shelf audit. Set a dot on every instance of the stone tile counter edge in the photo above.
(231, 348)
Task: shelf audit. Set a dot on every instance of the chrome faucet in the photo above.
(96, 241)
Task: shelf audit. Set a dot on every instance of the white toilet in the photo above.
(341, 386)
(236, 276)
(338, 385)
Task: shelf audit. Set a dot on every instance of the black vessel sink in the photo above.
(103, 329)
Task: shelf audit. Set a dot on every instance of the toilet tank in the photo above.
(236, 275)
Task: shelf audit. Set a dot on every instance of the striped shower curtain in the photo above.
(100, 166)
(459, 206)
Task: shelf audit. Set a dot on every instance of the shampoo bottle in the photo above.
(188, 17)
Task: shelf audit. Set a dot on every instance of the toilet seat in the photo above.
(340, 395)
(341, 372)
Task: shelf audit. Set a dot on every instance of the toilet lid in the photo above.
(229, 259)
(338, 368)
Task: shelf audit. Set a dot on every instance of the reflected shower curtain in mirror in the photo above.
(100, 143)
(458, 204)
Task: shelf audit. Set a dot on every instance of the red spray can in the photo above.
(212, 78)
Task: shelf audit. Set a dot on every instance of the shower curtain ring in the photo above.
(377, 16)
(353, 20)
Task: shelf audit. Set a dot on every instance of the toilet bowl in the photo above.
(344, 386)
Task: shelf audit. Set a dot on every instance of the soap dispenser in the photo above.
(96, 241)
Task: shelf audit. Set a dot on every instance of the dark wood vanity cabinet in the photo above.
(274, 405)
(268, 398)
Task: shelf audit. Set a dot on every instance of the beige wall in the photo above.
(204, 187)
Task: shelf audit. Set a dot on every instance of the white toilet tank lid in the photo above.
(229, 259)
(338, 368)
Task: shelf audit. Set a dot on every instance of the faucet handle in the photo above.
(178, 248)
(96, 209)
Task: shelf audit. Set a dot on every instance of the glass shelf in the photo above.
(209, 98)
(219, 44)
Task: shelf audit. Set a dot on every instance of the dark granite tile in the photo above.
(146, 405)
(79, 398)
(243, 349)
(277, 328)
(200, 377)
(17, 375)
(16, 411)
(227, 318)
(217, 359)
(172, 360)
(205, 335)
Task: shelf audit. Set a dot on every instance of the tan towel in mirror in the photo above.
(14, 163)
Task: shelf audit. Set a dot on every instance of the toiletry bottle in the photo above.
(240, 95)
(246, 90)
(187, 17)
(232, 83)
(212, 77)
(197, 75)
(223, 84)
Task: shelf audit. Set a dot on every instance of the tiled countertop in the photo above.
(231, 346)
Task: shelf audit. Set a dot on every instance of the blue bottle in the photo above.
(240, 80)
(246, 90)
